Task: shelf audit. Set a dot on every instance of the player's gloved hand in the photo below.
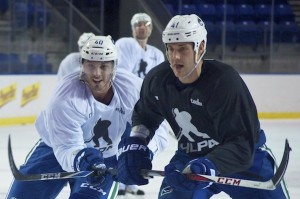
(90, 159)
(134, 155)
(177, 180)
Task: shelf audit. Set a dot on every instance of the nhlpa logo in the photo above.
(101, 131)
(183, 119)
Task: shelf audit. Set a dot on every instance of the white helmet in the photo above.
(186, 28)
(100, 48)
(83, 38)
(140, 17)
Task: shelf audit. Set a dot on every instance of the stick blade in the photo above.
(45, 176)
(16, 173)
(283, 164)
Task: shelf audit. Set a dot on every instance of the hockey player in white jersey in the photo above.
(71, 62)
(139, 57)
(136, 55)
(81, 127)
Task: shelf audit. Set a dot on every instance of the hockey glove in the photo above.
(90, 159)
(134, 155)
(177, 180)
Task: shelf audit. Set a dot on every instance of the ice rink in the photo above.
(23, 138)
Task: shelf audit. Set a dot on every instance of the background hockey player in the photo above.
(135, 54)
(213, 115)
(81, 127)
(138, 57)
(71, 62)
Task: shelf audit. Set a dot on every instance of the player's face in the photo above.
(182, 60)
(142, 30)
(98, 75)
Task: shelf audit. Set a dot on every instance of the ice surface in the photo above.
(24, 137)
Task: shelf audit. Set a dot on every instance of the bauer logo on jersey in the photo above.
(120, 110)
(153, 58)
(189, 131)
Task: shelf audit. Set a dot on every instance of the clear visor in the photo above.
(142, 23)
(94, 67)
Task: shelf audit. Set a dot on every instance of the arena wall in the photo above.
(22, 97)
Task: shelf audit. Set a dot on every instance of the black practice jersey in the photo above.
(215, 116)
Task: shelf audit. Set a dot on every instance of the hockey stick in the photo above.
(45, 176)
(268, 185)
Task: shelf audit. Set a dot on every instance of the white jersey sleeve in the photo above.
(132, 57)
(160, 140)
(59, 125)
(69, 64)
(68, 122)
(127, 53)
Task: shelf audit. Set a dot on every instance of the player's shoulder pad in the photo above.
(160, 70)
(124, 40)
(218, 67)
(127, 83)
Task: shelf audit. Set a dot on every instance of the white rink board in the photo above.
(22, 97)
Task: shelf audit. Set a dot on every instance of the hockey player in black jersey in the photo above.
(212, 114)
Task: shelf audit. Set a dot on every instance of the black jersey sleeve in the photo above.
(147, 110)
(236, 124)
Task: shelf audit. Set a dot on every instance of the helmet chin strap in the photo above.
(196, 64)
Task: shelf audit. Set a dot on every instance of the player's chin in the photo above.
(142, 37)
(98, 89)
(178, 71)
(95, 85)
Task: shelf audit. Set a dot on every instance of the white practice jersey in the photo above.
(67, 124)
(134, 58)
(160, 139)
(69, 64)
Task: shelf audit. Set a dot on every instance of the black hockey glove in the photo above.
(177, 180)
(134, 155)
